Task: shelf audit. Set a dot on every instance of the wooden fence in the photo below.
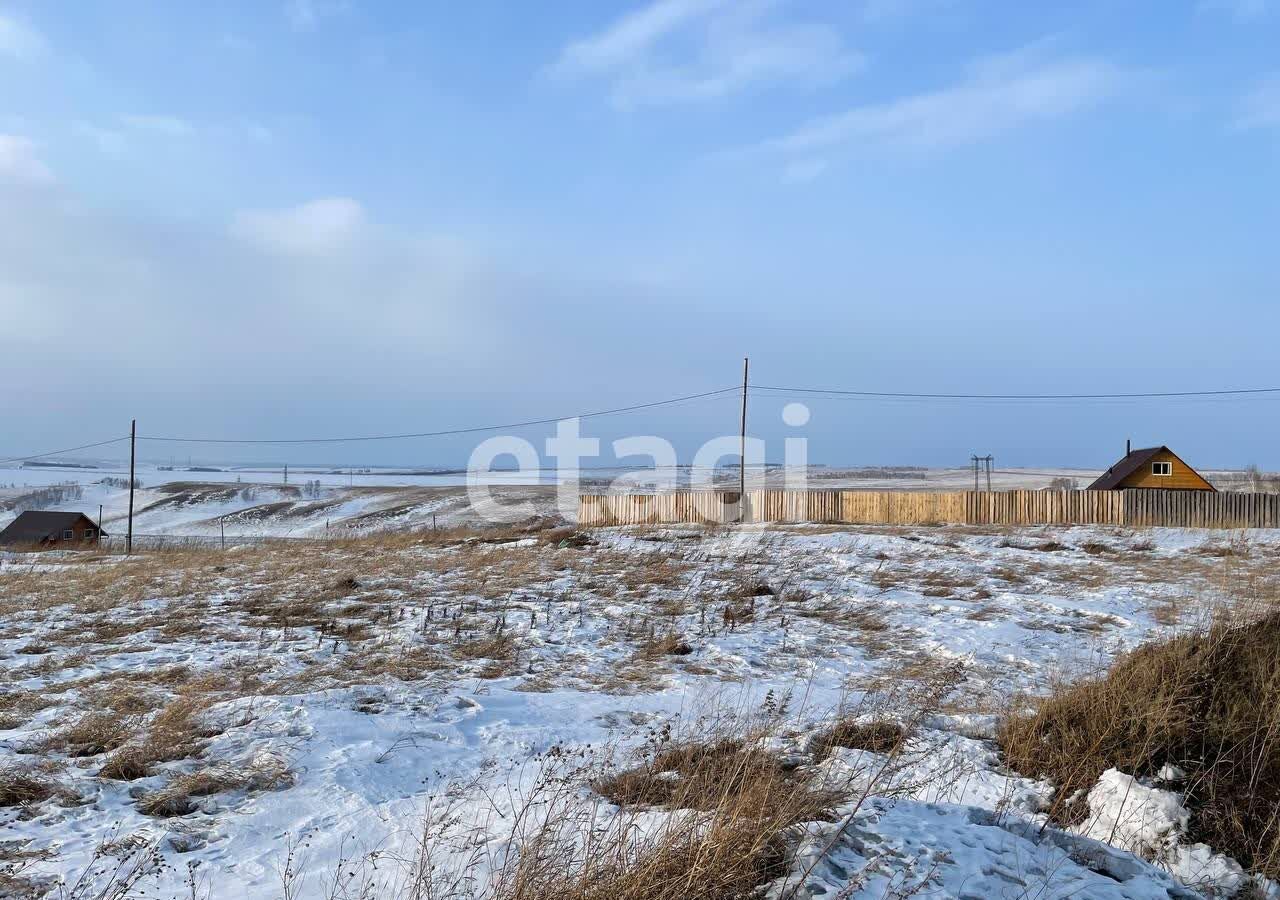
(1175, 509)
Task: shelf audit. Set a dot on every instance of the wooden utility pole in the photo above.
(742, 446)
(133, 448)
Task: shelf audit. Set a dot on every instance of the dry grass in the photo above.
(733, 808)
(178, 796)
(1207, 702)
(874, 737)
(708, 776)
(668, 643)
(711, 815)
(24, 786)
(92, 733)
(173, 733)
(438, 606)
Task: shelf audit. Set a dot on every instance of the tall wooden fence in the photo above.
(1176, 509)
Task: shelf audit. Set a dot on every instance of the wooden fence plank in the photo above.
(1139, 508)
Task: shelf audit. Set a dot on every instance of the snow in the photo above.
(1151, 823)
(852, 609)
(903, 848)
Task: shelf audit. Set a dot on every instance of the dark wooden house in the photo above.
(1157, 468)
(63, 530)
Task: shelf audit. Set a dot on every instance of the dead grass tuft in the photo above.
(178, 796)
(736, 806)
(173, 733)
(874, 737)
(92, 734)
(706, 777)
(1206, 702)
(23, 786)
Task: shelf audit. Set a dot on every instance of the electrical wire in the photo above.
(444, 432)
(775, 391)
(60, 452)
(904, 395)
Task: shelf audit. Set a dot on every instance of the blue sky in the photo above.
(322, 217)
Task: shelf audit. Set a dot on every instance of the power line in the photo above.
(60, 452)
(904, 395)
(444, 432)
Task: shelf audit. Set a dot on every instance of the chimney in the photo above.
(1128, 447)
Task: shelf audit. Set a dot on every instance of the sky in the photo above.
(317, 218)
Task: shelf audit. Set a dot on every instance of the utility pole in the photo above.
(286, 473)
(133, 448)
(981, 464)
(222, 525)
(742, 446)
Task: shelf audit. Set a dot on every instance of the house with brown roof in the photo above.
(1151, 468)
(61, 530)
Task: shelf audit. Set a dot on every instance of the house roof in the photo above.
(34, 526)
(1135, 460)
(1111, 478)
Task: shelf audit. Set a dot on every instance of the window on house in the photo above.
(88, 533)
(1161, 468)
(68, 535)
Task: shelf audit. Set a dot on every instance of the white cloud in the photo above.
(1261, 106)
(18, 161)
(19, 40)
(320, 226)
(998, 94)
(258, 133)
(676, 51)
(878, 12)
(633, 35)
(306, 15)
(107, 140)
(801, 171)
(313, 308)
(169, 126)
(1240, 10)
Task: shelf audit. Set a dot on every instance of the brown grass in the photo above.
(23, 786)
(177, 797)
(173, 733)
(733, 807)
(93, 733)
(1207, 702)
(874, 737)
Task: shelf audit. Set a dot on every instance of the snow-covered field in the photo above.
(249, 502)
(171, 507)
(257, 722)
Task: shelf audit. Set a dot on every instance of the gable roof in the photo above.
(1135, 460)
(33, 526)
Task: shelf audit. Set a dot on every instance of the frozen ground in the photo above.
(248, 714)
